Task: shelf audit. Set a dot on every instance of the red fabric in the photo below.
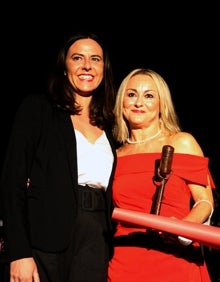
(133, 189)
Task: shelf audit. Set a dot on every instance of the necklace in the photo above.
(144, 140)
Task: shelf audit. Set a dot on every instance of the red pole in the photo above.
(204, 234)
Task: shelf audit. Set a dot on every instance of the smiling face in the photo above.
(85, 65)
(141, 103)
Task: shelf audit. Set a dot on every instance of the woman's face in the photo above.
(85, 65)
(141, 103)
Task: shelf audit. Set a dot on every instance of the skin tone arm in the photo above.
(186, 143)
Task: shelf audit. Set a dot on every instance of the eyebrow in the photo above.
(80, 54)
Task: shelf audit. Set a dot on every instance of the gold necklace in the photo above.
(144, 140)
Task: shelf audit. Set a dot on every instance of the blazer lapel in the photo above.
(69, 142)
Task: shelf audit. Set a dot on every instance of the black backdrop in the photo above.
(177, 40)
(180, 42)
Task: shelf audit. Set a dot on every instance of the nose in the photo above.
(86, 65)
(139, 102)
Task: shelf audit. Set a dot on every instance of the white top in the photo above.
(94, 161)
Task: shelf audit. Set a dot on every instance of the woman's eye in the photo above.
(131, 94)
(148, 95)
(76, 58)
(96, 59)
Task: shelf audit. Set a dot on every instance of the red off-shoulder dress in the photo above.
(137, 256)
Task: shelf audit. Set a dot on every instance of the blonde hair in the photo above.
(168, 117)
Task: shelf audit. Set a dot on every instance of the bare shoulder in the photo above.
(185, 142)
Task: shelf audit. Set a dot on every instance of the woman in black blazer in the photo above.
(59, 166)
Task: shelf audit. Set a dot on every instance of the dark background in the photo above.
(178, 40)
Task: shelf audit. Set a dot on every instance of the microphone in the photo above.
(164, 168)
(166, 160)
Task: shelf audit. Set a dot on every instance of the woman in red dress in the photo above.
(146, 121)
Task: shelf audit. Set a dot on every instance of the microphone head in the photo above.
(166, 160)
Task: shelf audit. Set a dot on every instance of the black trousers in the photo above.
(87, 256)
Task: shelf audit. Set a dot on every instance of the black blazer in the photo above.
(42, 147)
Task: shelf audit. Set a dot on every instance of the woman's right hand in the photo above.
(24, 270)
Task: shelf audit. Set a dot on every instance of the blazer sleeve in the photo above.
(16, 168)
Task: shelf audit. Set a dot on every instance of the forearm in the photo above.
(201, 211)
